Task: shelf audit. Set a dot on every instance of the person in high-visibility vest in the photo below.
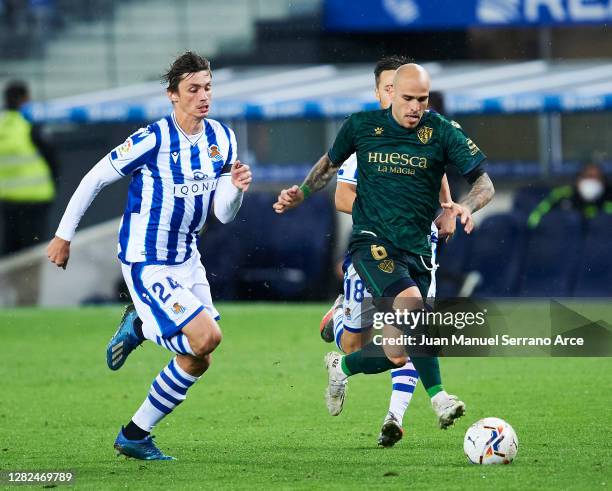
(26, 181)
(590, 195)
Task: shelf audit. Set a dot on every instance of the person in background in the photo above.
(26, 174)
(590, 195)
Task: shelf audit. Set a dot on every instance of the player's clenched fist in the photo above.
(58, 252)
(241, 175)
(288, 198)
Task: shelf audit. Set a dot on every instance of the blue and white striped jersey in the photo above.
(174, 177)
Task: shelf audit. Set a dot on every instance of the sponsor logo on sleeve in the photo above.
(472, 146)
(125, 147)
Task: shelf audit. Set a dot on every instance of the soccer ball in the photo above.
(490, 441)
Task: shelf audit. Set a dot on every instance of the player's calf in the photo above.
(195, 366)
(352, 341)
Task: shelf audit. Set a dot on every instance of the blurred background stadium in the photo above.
(529, 80)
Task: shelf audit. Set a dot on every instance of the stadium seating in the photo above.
(594, 278)
(452, 258)
(265, 256)
(527, 198)
(496, 254)
(551, 256)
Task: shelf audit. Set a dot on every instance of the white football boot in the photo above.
(448, 408)
(337, 382)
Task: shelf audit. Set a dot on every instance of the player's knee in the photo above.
(398, 360)
(206, 342)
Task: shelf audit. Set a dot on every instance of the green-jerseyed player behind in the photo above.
(401, 157)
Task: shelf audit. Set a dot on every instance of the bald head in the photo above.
(411, 72)
(410, 94)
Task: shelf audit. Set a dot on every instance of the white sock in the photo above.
(404, 381)
(442, 395)
(167, 391)
(338, 327)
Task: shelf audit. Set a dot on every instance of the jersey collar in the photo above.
(192, 139)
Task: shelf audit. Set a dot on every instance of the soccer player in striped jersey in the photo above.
(349, 321)
(183, 168)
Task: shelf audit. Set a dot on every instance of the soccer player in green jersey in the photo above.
(349, 321)
(402, 153)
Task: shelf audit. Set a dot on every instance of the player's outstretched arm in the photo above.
(101, 175)
(318, 177)
(481, 193)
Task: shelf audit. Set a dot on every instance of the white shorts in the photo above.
(168, 297)
(359, 314)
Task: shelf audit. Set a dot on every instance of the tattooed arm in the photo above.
(481, 193)
(318, 177)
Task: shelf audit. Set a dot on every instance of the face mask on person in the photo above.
(590, 189)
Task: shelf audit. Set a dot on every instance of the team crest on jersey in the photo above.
(347, 313)
(177, 308)
(378, 131)
(125, 147)
(387, 266)
(214, 153)
(424, 133)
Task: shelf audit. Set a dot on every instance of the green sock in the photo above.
(432, 391)
(344, 368)
(429, 373)
(370, 359)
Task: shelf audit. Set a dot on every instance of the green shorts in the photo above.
(386, 270)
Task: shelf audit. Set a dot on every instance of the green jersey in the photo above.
(399, 173)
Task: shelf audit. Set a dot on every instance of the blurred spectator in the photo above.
(26, 184)
(590, 194)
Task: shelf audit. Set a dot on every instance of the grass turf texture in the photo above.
(258, 420)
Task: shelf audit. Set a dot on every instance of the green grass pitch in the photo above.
(257, 419)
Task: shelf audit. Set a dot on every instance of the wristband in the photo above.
(306, 190)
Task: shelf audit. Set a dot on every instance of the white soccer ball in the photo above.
(490, 441)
